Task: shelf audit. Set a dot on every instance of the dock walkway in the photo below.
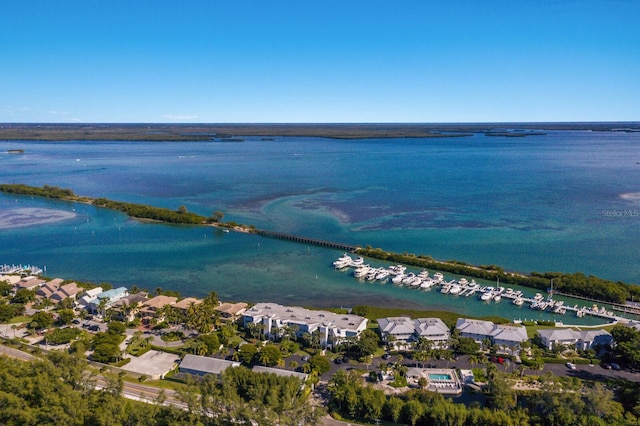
(305, 240)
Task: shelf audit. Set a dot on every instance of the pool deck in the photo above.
(451, 386)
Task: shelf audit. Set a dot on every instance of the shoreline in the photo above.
(156, 132)
(576, 283)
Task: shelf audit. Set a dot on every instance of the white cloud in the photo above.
(179, 117)
(54, 112)
(12, 111)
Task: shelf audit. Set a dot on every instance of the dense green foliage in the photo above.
(46, 191)
(61, 336)
(627, 348)
(59, 391)
(556, 404)
(243, 396)
(154, 213)
(576, 284)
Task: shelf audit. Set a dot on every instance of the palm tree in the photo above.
(293, 365)
(473, 360)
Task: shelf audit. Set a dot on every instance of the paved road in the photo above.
(15, 353)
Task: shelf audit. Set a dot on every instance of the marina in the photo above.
(462, 288)
(6, 269)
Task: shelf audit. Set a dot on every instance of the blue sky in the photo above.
(319, 61)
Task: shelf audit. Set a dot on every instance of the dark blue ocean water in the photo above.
(562, 201)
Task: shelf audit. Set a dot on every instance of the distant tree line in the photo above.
(46, 191)
(577, 283)
(181, 215)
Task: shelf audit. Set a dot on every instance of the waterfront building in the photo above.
(185, 303)
(583, 339)
(331, 328)
(231, 311)
(432, 329)
(29, 283)
(152, 308)
(50, 287)
(127, 308)
(201, 365)
(403, 332)
(508, 337)
(11, 279)
(67, 291)
(397, 331)
(88, 296)
(109, 296)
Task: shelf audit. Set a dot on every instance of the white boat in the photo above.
(463, 281)
(341, 265)
(497, 297)
(518, 301)
(357, 262)
(371, 275)
(438, 277)
(487, 295)
(426, 284)
(397, 269)
(398, 278)
(445, 289)
(455, 289)
(538, 297)
(382, 275)
(416, 282)
(408, 278)
(424, 274)
(361, 271)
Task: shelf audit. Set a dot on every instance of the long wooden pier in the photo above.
(305, 240)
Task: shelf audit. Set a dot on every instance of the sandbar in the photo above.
(18, 218)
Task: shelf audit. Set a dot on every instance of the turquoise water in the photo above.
(439, 377)
(529, 204)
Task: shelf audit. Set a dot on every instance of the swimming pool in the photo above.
(434, 376)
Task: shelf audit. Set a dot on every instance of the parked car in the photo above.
(606, 366)
(571, 366)
(386, 356)
(615, 366)
(338, 361)
(94, 328)
(305, 358)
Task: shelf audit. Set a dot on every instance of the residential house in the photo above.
(124, 307)
(330, 328)
(11, 279)
(201, 365)
(507, 337)
(89, 296)
(231, 311)
(29, 283)
(152, 308)
(185, 303)
(478, 330)
(49, 288)
(583, 339)
(397, 331)
(67, 291)
(109, 296)
(432, 329)
(403, 332)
